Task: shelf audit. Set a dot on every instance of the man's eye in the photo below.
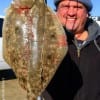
(64, 7)
(80, 7)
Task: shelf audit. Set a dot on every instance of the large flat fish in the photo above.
(34, 44)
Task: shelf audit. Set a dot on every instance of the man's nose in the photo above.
(72, 11)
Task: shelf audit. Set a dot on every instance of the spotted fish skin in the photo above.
(34, 44)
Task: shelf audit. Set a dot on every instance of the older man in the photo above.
(78, 76)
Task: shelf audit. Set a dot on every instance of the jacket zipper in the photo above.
(78, 52)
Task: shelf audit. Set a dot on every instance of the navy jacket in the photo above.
(78, 76)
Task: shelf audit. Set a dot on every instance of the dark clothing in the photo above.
(78, 76)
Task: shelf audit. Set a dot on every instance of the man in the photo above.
(78, 76)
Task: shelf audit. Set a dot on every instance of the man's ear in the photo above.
(87, 15)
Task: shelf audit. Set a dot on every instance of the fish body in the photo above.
(34, 44)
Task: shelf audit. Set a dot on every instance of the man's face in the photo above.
(73, 15)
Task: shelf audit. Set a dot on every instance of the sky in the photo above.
(95, 10)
